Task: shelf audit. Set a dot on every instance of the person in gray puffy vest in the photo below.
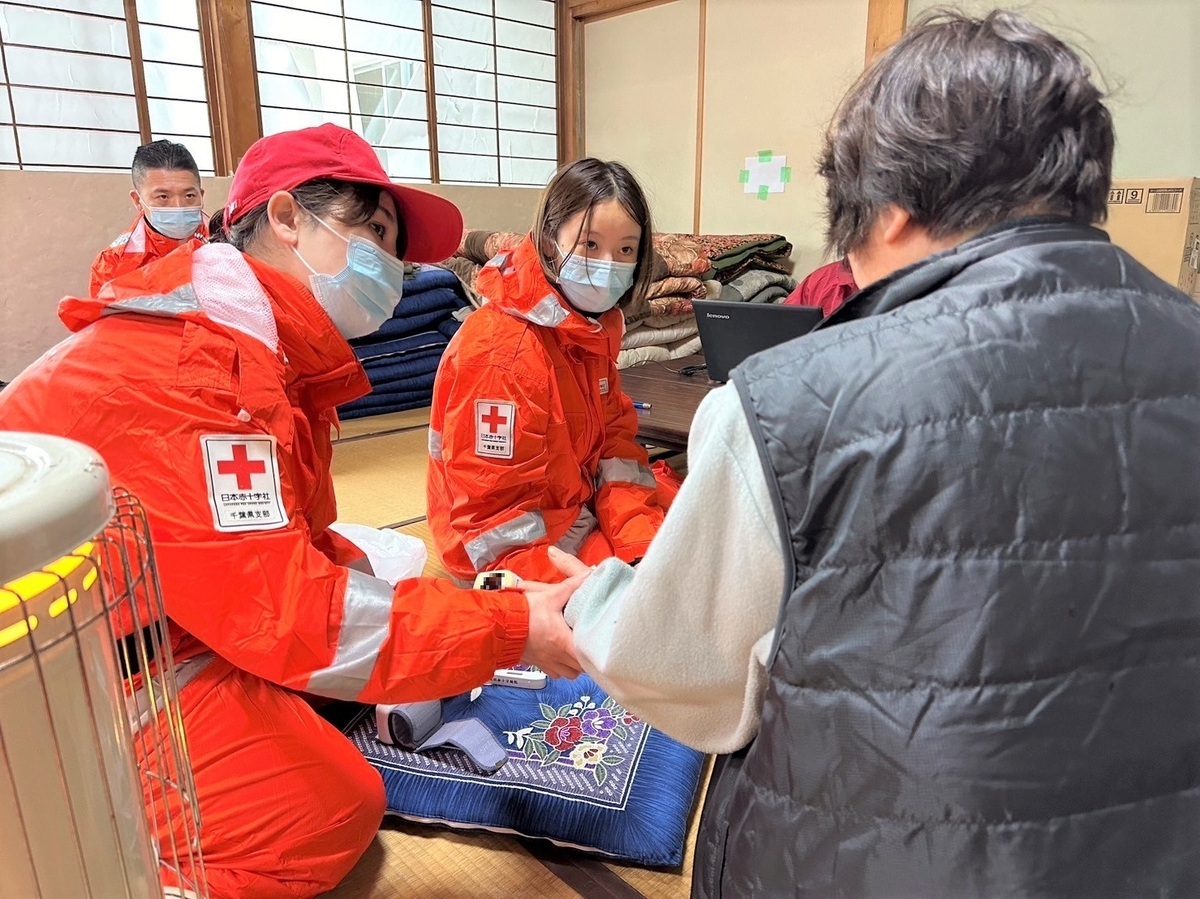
(976, 489)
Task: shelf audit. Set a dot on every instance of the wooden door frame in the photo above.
(886, 20)
(571, 16)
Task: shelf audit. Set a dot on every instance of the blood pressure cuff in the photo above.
(419, 726)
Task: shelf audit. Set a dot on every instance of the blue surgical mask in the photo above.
(175, 222)
(593, 286)
(363, 295)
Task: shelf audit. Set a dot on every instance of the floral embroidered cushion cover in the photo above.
(581, 772)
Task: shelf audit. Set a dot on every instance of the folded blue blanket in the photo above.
(401, 327)
(401, 405)
(406, 389)
(402, 357)
(393, 368)
(427, 277)
(401, 346)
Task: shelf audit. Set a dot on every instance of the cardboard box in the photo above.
(1158, 223)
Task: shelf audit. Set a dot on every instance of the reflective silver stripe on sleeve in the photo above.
(435, 445)
(578, 531)
(625, 471)
(523, 530)
(548, 312)
(181, 299)
(366, 616)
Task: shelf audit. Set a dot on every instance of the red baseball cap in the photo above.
(285, 161)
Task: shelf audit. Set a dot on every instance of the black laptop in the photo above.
(729, 332)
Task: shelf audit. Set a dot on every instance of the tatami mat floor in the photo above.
(380, 479)
(357, 428)
(379, 466)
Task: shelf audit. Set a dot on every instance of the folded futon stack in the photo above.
(401, 358)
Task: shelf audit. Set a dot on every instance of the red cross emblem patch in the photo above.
(242, 474)
(495, 428)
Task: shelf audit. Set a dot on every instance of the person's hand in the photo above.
(550, 645)
(568, 564)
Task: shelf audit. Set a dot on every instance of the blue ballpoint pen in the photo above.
(641, 407)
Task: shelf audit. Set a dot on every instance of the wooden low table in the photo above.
(673, 399)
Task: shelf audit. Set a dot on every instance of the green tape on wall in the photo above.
(744, 176)
(765, 155)
(762, 192)
(785, 174)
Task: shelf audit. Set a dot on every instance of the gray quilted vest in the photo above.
(987, 673)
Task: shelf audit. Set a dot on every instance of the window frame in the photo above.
(440, 157)
(139, 92)
(231, 74)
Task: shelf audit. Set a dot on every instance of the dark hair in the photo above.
(965, 123)
(349, 202)
(165, 155)
(577, 188)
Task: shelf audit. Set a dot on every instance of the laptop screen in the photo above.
(730, 332)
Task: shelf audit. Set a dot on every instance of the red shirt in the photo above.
(826, 288)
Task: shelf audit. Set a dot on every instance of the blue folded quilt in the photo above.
(410, 387)
(402, 346)
(346, 413)
(393, 368)
(427, 277)
(401, 327)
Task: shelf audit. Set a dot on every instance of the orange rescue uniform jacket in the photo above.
(531, 439)
(138, 246)
(208, 382)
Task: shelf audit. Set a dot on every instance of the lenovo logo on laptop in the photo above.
(715, 315)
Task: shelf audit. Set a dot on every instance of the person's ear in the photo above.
(135, 200)
(894, 224)
(283, 213)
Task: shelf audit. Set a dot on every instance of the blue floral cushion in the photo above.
(581, 772)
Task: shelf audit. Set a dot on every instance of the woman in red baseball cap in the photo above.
(208, 381)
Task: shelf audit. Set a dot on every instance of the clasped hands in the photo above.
(550, 645)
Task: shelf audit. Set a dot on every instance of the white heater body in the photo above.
(82, 770)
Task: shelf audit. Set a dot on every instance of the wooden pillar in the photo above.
(702, 53)
(435, 166)
(886, 20)
(227, 42)
(134, 33)
(569, 75)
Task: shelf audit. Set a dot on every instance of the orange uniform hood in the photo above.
(515, 282)
(214, 285)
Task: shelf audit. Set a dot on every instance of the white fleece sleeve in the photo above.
(682, 641)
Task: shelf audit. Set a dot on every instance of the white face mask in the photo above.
(593, 286)
(175, 222)
(364, 294)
